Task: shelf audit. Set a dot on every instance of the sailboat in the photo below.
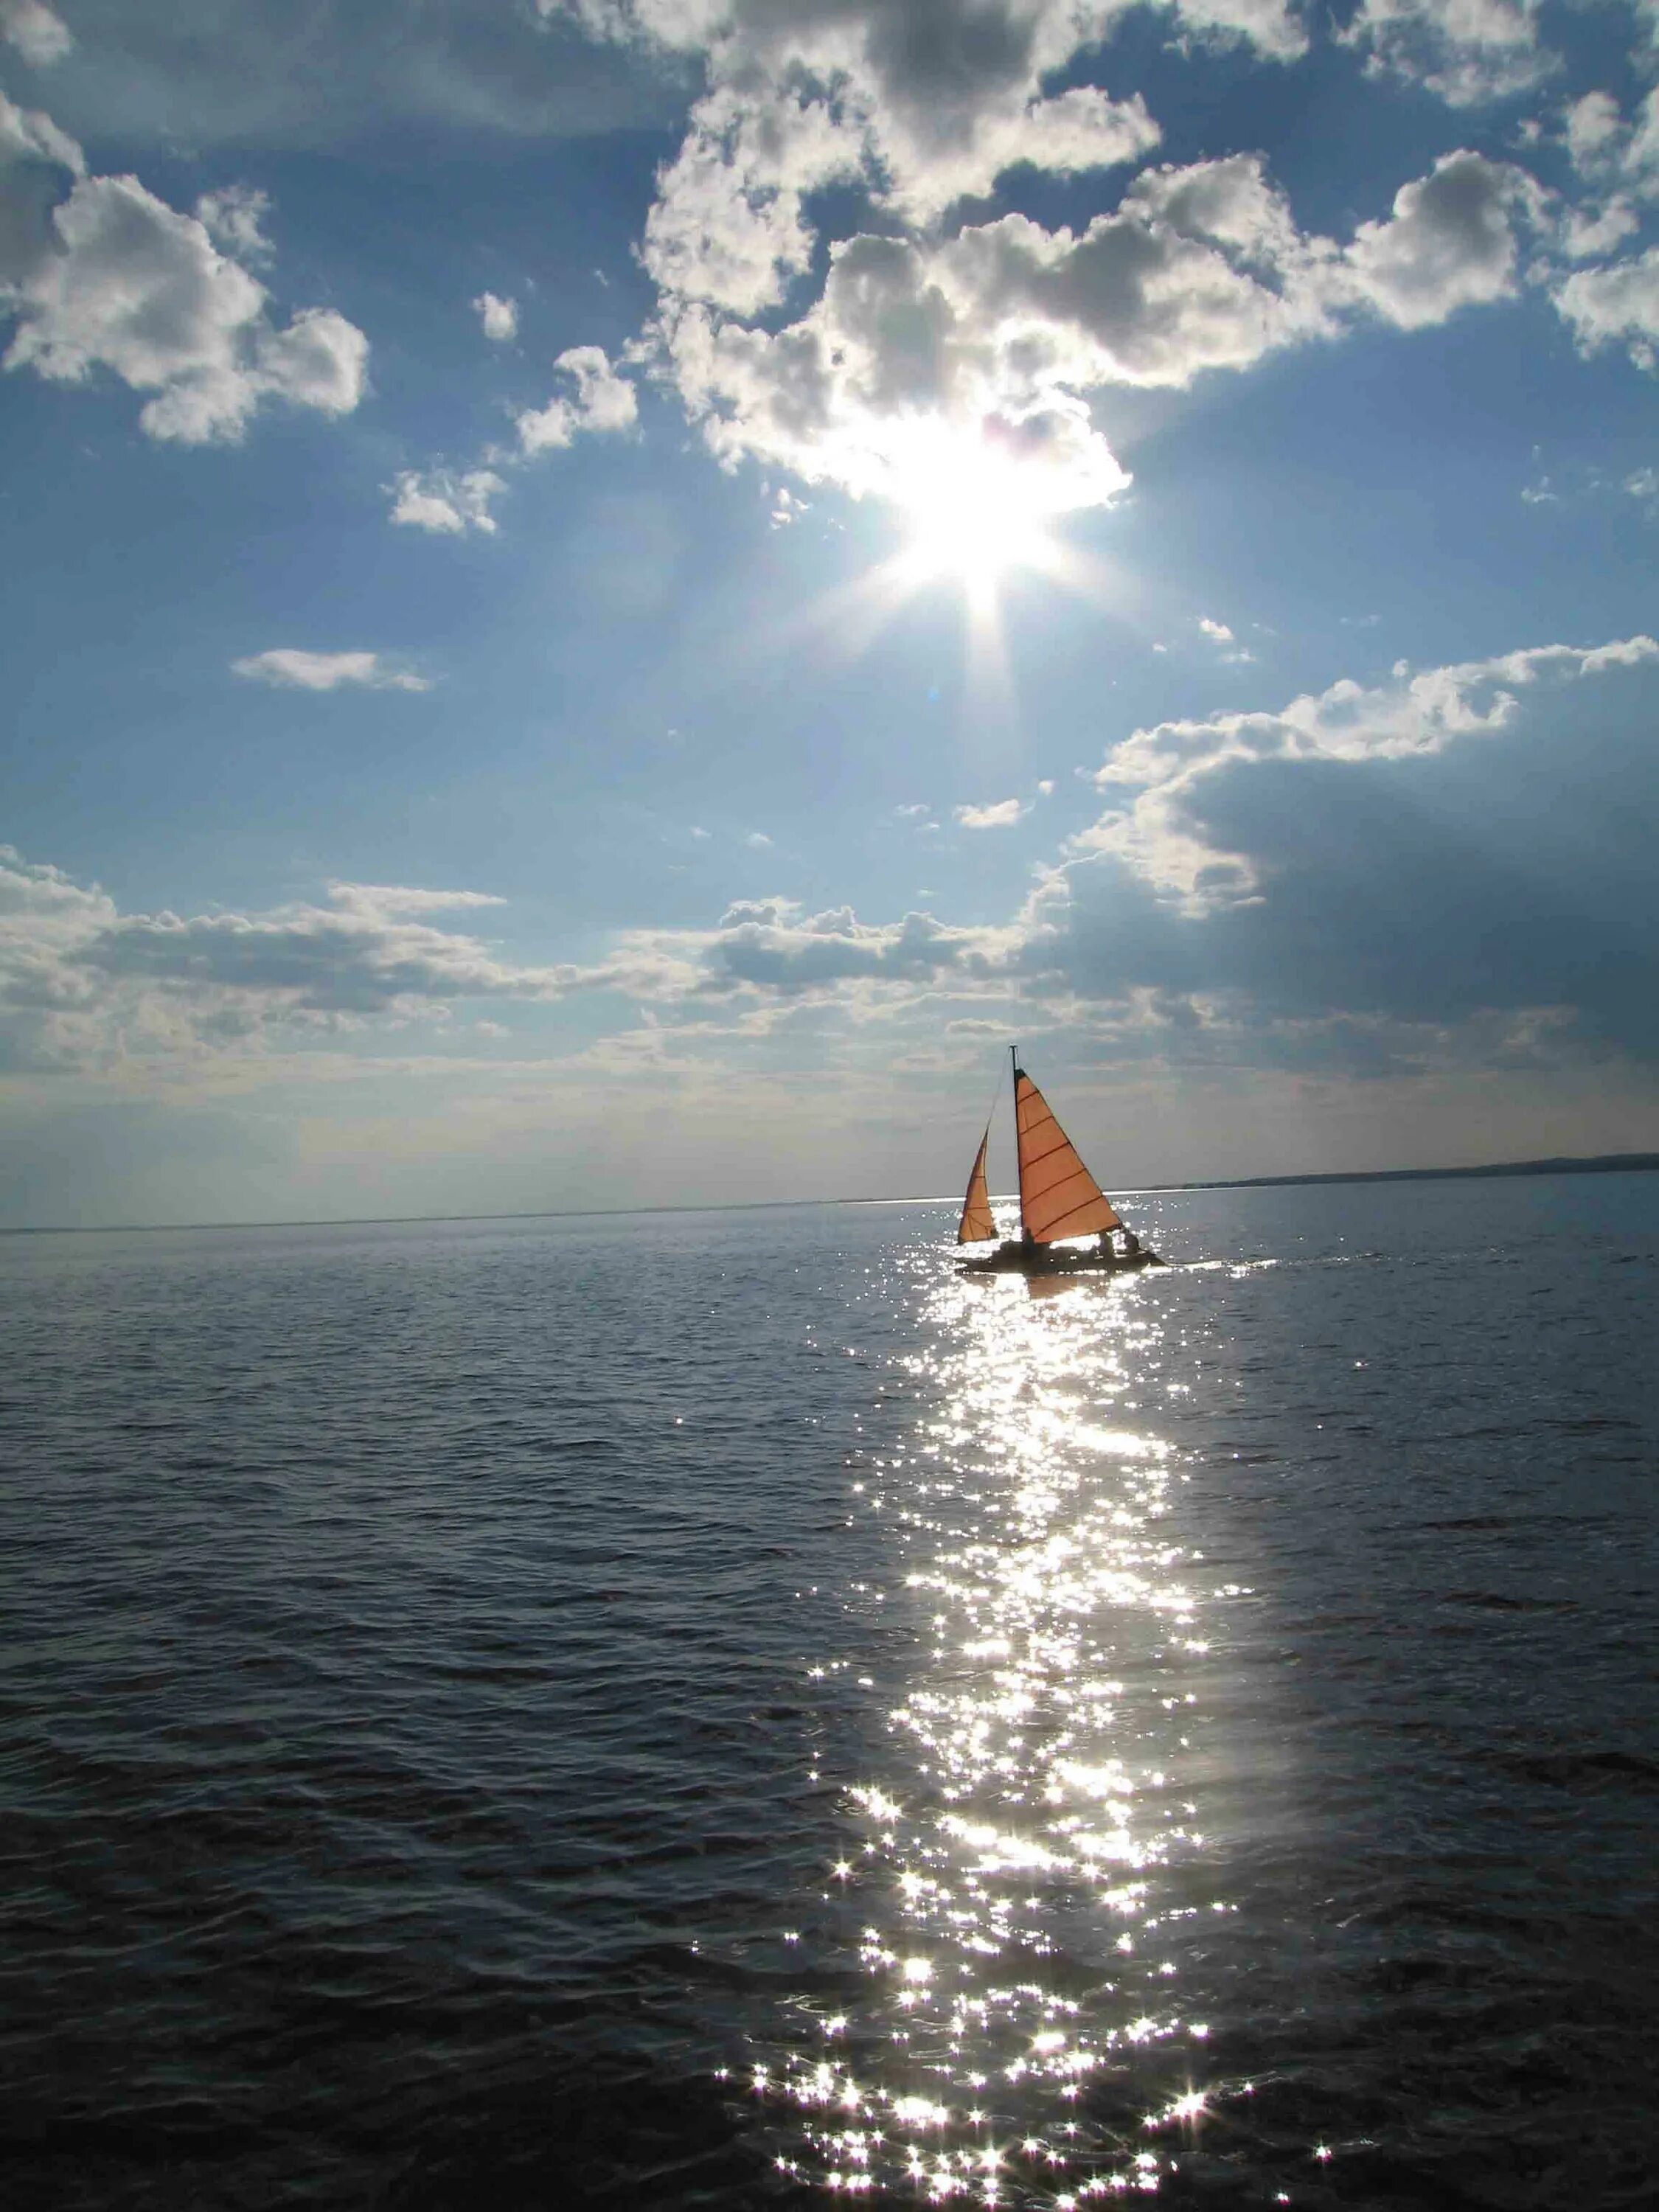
(1059, 1200)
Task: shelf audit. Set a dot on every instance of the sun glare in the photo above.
(973, 508)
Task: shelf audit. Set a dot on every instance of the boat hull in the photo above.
(1021, 1258)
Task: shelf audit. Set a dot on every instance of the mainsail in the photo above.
(977, 1220)
(1058, 1196)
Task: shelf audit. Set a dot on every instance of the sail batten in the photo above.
(1058, 1196)
(978, 1221)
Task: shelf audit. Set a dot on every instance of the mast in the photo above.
(1013, 1062)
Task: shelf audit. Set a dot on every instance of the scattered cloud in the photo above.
(1618, 304)
(758, 841)
(234, 217)
(291, 669)
(444, 503)
(1591, 128)
(1000, 814)
(500, 318)
(603, 401)
(109, 276)
(1218, 630)
(34, 32)
(454, 501)
(1586, 232)
(1465, 52)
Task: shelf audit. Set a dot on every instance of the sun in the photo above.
(978, 496)
(975, 507)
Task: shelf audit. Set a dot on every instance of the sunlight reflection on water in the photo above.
(1018, 1858)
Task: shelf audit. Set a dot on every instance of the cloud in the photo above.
(997, 333)
(191, 74)
(602, 402)
(83, 985)
(113, 279)
(454, 501)
(1001, 814)
(1588, 232)
(1466, 51)
(234, 218)
(291, 669)
(1591, 128)
(1342, 889)
(1217, 630)
(1163, 834)
(929, 103)
(448, 504)
(387, 901)
(996, 330)
(1448, 243)
(1448, 868)
(1617, 304)
(31, 28)
(500, 318)
(772, 947)
(837, 359)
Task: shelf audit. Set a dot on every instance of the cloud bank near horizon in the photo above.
(1326, 885)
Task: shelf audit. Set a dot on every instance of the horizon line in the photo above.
(1564, 1164)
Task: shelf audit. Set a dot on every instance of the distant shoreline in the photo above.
(1597, 1164)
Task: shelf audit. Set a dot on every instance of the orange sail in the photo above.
(1058, 1196)
(977, 1221)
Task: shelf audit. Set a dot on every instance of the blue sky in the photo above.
(604, 597)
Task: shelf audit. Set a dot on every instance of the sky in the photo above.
(606, 598)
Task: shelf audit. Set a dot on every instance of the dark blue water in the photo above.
(721, 1710)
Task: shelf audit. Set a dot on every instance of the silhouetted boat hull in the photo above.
(1017, 1258)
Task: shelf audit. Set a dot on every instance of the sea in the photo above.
(720, 1709)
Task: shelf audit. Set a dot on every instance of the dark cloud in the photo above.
(1510, 872)
(317, 960)
(316, 72)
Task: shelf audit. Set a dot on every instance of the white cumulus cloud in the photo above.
(602, 401)
(1468, 52)
(994, 330)
(449, 505)
(500, 318)
(1616, 304)
(1448, 243)
(110, 277)
(999, 814)
(234, 217)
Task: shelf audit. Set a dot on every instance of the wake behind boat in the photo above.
(1059, 1200)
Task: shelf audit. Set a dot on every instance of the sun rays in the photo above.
(980, 512)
